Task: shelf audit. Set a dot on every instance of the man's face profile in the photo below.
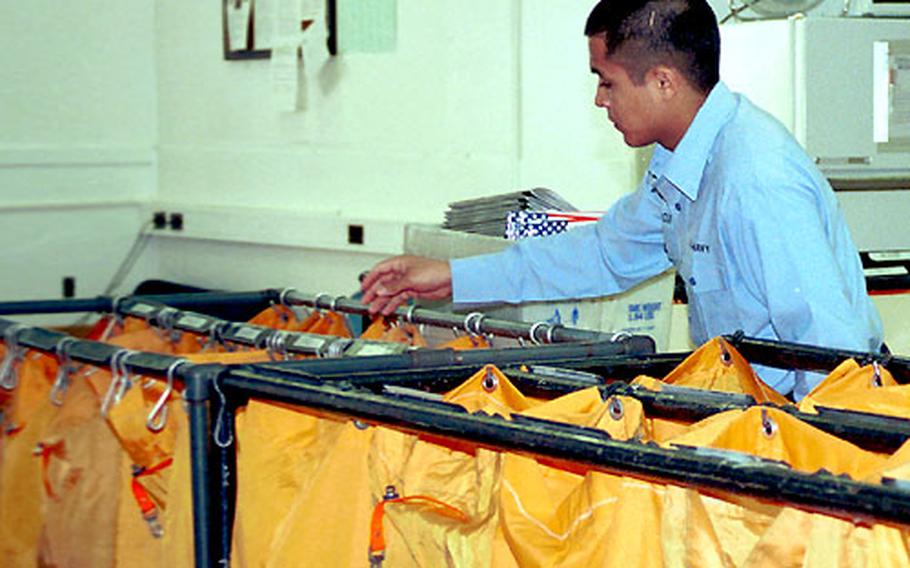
(630, 107)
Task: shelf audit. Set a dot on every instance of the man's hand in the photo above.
(395, 280)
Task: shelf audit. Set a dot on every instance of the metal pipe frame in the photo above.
(702, 468)
(197, 396)
(476, 322)
(788, 355)
(873, 432)
(257, 336)
(433, 359)
(86, 351)
(107, 304)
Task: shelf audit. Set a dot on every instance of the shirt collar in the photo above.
(684, 167)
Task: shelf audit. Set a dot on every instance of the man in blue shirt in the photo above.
(730, 199)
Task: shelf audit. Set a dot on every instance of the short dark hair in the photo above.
(643, 33)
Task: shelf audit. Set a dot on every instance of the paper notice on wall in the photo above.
(286, 40)
(881, 92)
(900, 91)
(238, 20)
(285, 78)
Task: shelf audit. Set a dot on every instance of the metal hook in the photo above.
(471, 326)
(276, 345)
(281, 345)
(316, 299)
(216, 334)
(550, 330)
(108, 399)
(283, 296)
(115, 318)
(532, 333)
(220, 426)
(620, 336)
(876, 374)
(119, 380)
(62, 381)
(115, 304)
(261, 340)
(167, 318)
(157, 418)
(335, 348)
(155, 327)
(126, 381)
(9, 379)
(299, 310)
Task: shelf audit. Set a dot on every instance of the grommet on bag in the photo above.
(490, 381)
(616, 408)
(725, 357)
(768, 426)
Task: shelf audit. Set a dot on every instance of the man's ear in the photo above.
(665, 80)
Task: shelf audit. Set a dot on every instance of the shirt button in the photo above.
(692, 280)
(679, 206)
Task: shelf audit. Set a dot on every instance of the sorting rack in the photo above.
(149, 307)
(388, 390)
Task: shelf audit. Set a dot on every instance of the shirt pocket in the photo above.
(715, 312)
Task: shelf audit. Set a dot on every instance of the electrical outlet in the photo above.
(355, 234)
(69, 286)
(176, 221)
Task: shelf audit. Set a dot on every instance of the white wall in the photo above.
(386, 135)
(478, 98)
(567, 143)
(77, 136)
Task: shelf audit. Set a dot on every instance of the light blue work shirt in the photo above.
(750, 224)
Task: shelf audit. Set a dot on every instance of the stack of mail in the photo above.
(487, 215)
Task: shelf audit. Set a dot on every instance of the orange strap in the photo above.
(98, 329)
(13, 430)
(44, 451)
(377, 537)
(146, 505)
